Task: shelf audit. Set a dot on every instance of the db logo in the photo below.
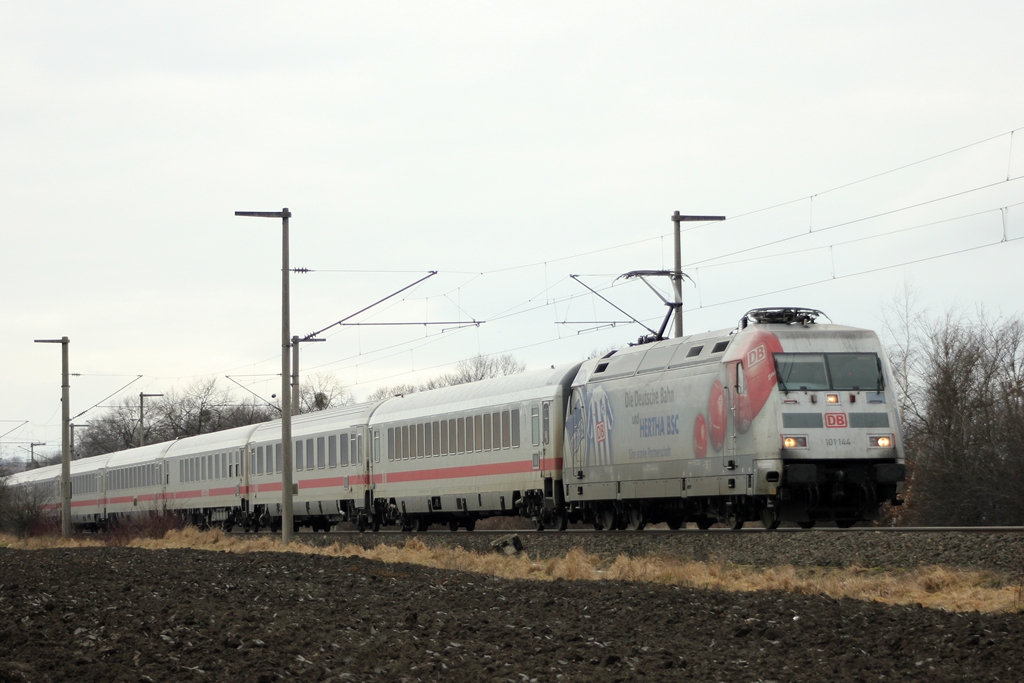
(756, 355)
(602, 435)
(836, 420)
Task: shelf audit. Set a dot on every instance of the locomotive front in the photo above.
(827, 410)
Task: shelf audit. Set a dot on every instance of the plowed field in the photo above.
(117, 614)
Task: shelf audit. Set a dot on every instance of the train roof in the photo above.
(134, 456)
(38, 474)
(323, 420)
(90, 464)
(226, 439)
(797, 326)
(537, 384)
(656, 356)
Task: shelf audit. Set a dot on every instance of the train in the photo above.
(784, 418)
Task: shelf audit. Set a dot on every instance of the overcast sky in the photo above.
(505, 145)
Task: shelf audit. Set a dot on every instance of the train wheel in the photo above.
(733, 519)
(809, 524)
(770, 518)
(538, 524)
(845, 523)
(609, 520)
(453, 525)
(421, 524)
(636, 519)
(704, 523)
(560, 522)
(375, 524)
(470, 524)
(361, 524)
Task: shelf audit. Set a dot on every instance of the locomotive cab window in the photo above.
(829, 371)
(855, 371)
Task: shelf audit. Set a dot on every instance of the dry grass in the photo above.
(934, 586)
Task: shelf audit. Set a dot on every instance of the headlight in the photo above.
(832, 398)
(880, 441)
(794, 442)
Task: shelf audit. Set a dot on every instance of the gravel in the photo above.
(866, 548)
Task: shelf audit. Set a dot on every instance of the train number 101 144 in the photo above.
(837, 442)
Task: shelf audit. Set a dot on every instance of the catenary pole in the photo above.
(287, 492)
(65, 442)
(677, 271)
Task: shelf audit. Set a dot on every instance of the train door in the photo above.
(244, 467)
(576, 432)
(535, 436)
(371, 461)
(739, 418)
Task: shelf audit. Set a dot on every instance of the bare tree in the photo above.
(474, 369)
(601, 353)
(22, 508)
(201, 407)
(477, 368)
(964, 421)
(5, 494)
(322, 391)
(248, 412)
(115, 430)
(904, 328)
(197, 409)
(382, 393)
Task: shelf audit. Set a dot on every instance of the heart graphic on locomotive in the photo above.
(755, 353)
(700, 437)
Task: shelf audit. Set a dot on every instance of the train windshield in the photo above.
(829, 371)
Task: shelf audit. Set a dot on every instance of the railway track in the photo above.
(999, 549)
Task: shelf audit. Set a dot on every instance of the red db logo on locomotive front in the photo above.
(835, 420)
(756, 355)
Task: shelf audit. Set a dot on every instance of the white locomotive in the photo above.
(780, 419)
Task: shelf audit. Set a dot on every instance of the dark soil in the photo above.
(117, 614)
